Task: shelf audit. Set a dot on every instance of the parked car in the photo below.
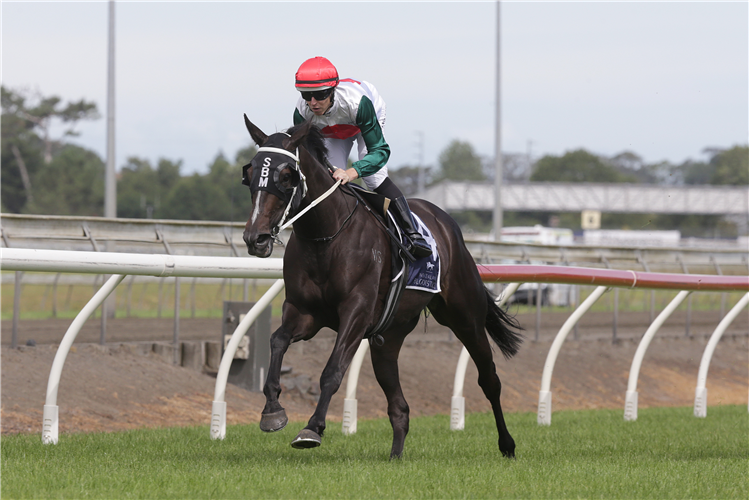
(527, 293)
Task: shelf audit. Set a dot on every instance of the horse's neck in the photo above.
(327, 218)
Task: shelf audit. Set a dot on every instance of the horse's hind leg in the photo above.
(385, 364)
(467, 322)
(481, 352)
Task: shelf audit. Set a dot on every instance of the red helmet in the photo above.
(316, 74)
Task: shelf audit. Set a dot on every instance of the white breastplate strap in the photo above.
(280, 151)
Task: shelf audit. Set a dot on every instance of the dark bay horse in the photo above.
(337, 270)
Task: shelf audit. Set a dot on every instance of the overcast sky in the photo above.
(664, 80)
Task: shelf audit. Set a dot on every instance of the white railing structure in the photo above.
(218, 410)
(603, 279)
(612, 278)
(458, 401)
(120, 265)
(700, 396)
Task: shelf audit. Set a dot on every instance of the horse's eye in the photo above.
(288, 179)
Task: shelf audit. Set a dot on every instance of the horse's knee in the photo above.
(279, 340)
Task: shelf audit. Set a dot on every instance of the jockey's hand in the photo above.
(345, 176)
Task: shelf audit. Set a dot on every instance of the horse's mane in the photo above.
(314, 142)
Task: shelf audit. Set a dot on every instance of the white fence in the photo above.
(121, 264)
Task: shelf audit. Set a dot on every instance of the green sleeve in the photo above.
(298, 118)
(378, 151)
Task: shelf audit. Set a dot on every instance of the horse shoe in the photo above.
(272, 422)
(306, 439)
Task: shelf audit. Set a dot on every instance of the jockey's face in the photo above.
(319, 107)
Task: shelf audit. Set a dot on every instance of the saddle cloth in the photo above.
(424, 274)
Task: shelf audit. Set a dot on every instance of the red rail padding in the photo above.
(610, 277)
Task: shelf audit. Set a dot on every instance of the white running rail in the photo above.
(458, 401)
(544, 395)
(218, 410)
(630, 400)
(51, 410)
(700, 392)
(120, 265)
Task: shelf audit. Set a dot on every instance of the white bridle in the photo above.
(302, 182)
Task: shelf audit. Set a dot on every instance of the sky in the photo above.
(661, 79)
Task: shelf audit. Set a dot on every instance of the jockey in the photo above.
(346, 111)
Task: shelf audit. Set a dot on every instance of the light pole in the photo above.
(109, 305)
(110, 181)
(497, 214)
(421, 179)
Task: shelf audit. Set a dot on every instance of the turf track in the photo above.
(666, 453)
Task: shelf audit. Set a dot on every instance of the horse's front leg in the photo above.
(347, 343)
(274, 416)
(294, 326)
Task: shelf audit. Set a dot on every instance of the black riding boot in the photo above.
(418, 247)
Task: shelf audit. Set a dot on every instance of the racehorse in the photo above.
(337, 270)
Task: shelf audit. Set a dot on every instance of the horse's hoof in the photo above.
(306, 439)
(272, 422)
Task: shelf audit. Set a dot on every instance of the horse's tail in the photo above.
(502, 328)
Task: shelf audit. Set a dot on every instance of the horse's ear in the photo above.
(257, 135)
(293, 142)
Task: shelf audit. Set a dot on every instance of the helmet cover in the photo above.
(316, 74)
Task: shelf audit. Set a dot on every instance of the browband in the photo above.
(280, 151)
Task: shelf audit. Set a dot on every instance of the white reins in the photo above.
(311, 205)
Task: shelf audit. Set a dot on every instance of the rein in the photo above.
(317, 200)
(311, 206)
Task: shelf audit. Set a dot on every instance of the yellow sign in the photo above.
(591, 219)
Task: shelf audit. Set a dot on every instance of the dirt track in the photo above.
(116, 388)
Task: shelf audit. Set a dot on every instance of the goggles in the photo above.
(319, 95)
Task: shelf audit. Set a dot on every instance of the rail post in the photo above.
(700, 392)
(630, 399)
(350, 403)
(51, 410)
(544, 395)
(218, 409)
(458, 401)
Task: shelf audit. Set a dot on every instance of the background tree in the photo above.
(140, 187)
(577, 166)
(21, 154)
(26, 143)
(731, 167)
(72, 184)
(460, 162)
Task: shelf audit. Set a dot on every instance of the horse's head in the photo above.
(276, 183)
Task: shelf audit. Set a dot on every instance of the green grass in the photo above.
(666, 453)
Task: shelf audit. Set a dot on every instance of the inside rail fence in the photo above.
(119, 265)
